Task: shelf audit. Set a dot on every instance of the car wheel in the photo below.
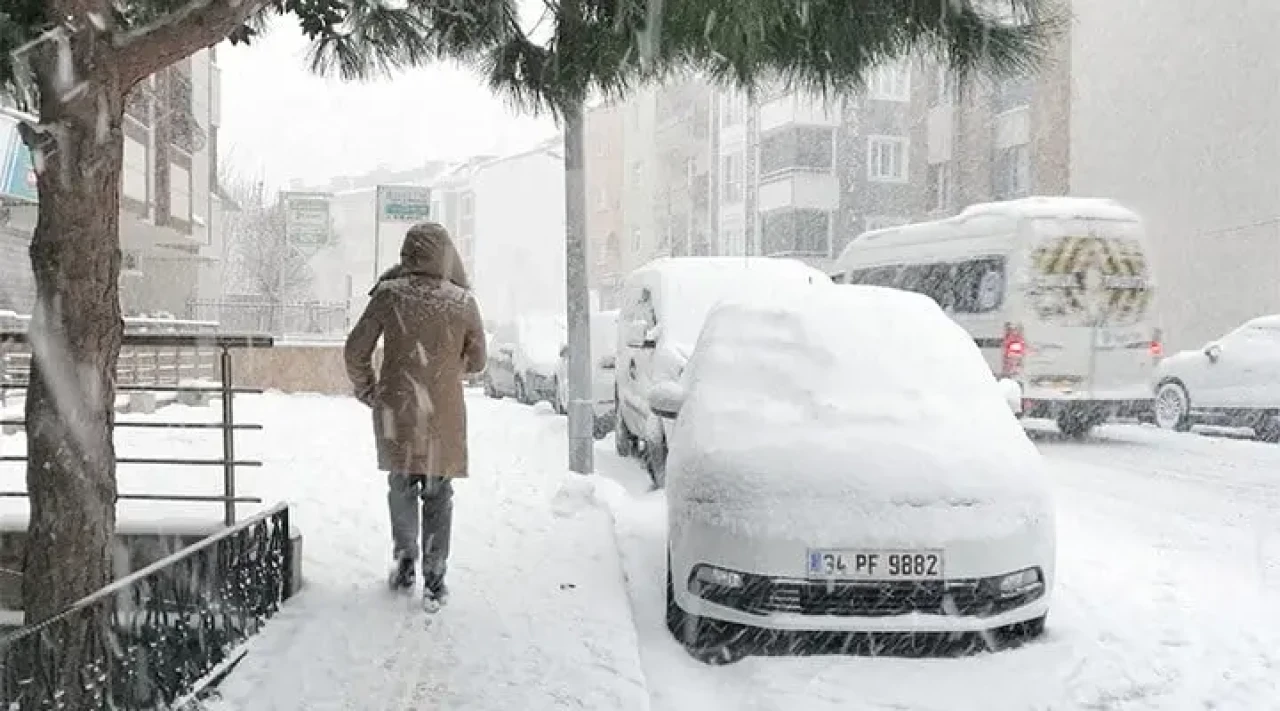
(1173, 407)
(600, 427)
(490, 390)
(522, 393)
(623, 441)
(709, 641)
(557, 404)
(655, 462)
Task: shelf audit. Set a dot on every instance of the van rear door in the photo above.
(1089, 295)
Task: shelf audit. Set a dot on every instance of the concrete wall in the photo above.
(292, 369)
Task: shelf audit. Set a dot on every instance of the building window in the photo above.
(733, 237)
(797, 148)
(733, 108)
(887, 159)
(800, 232)
(941, 186)
(1011, 174)
(891, 82)
(635, 240)
(731, 188)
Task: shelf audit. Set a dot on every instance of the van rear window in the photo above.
(970, 286)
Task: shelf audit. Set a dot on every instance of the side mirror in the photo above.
(665, 399)
(564, 351)
(651, 337)
(1213, 351)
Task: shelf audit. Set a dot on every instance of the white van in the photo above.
(1056, 291)
(663, 306)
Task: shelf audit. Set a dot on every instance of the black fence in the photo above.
(160, 635)
(223, 344)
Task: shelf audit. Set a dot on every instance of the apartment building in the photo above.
(170, 203)
(798, 176)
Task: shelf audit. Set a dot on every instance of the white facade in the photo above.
(1175, 111)
(640, 172)
(519, 246)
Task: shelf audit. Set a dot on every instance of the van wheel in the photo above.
(1076, 425)
(708, 641)
(1173, 407)
(623, 441)
(600, 427)
(490, 390)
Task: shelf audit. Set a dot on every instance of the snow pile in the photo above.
(850, 411)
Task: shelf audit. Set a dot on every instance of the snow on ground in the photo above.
(1168, 554)
(1169, 566)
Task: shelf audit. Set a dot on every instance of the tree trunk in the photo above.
(75, 332)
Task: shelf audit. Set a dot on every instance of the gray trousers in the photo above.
(436, 496)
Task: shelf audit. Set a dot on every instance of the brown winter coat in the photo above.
(432, 336)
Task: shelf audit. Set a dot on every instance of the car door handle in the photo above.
(631, 369)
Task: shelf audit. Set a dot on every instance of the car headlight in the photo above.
(1020, 583)
(711, 575)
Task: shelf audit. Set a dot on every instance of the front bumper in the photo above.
(775, 593)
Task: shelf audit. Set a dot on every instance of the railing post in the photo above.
(228, 439)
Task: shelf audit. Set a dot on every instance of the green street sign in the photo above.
(404, 203)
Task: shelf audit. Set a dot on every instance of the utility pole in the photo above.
(577, 297)
(377, 231)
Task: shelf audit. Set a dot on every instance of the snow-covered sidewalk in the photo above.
(538, 619)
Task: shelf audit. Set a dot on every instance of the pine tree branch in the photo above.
(145, 50)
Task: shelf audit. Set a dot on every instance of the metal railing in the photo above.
(159, 635)
(137, 365)
(305, 319)
(221, 343)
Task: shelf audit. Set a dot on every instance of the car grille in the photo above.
(970, 598)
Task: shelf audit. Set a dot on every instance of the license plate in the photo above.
(848, 564)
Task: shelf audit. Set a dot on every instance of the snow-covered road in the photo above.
(1169, 574)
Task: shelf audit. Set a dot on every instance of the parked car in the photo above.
(1231, 382)
(842, 460)
(500, 370)
(528, 350)
(664, 304)
(604, 341)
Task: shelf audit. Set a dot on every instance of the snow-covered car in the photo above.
(664, 304)
(604, 340)
(526, 356)
(842, 460)
(1231, 382)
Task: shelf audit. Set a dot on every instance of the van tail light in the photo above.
(1014, 350)
(1157, 344)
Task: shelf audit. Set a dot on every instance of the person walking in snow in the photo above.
(432, 337)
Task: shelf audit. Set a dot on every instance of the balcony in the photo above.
(799, 189)
(792, 109)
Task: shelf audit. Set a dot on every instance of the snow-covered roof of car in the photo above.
(850, 393)
(698, 267)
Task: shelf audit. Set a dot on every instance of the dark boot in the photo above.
(404, 575)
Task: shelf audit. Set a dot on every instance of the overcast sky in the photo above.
(282, 122)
